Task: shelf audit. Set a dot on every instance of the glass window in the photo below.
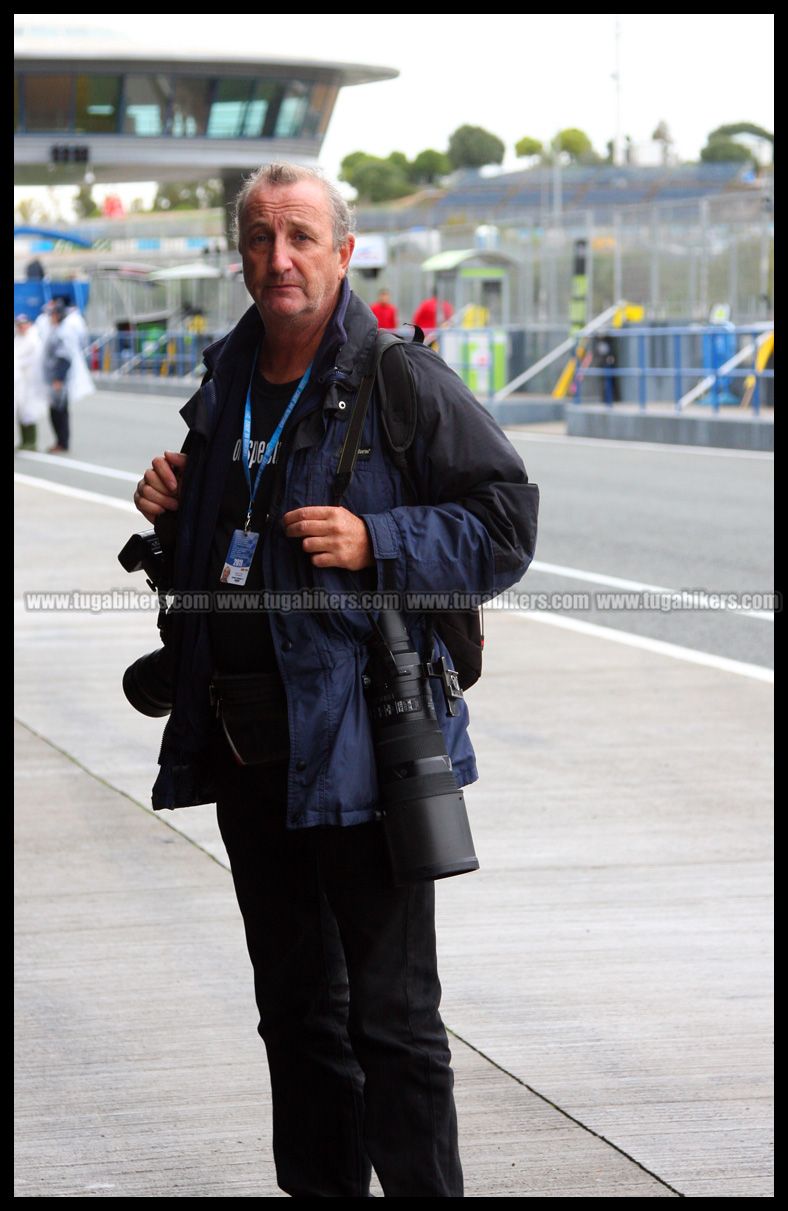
(190, 108)
(48, 102)
(228, 108)
(97, 102)
(292, 111)
(147, 103)
(321, 107)
(257, 110)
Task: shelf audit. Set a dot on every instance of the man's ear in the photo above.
(345, 253)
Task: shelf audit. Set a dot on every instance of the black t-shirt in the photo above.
(241, 640)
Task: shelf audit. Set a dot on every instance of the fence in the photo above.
(677, 259)
(639, 364)
(168, 354)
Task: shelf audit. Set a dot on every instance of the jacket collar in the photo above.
(342, 357)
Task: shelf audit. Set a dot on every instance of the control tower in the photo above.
(89, 105)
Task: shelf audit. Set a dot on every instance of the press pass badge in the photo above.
(239, 557)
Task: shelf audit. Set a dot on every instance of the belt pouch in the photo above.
(252, 708)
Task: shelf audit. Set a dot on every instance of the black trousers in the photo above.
(347, 988)
(58, 415)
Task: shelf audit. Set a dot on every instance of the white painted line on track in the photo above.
(57, 460)
(694, 596)
(538, 565)
(755, 671)
(77, 493)
(571, 624)
(655, 447)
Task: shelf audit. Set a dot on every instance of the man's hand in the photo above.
(158, 489)
(332, 537)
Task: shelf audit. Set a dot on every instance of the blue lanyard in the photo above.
(271, 447)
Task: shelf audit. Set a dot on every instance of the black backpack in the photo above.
(461, 630)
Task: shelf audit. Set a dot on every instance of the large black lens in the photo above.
(147, 683)
(425, 820)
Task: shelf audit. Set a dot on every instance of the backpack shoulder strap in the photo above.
(355, 424)
(398, 405)
(398, 411)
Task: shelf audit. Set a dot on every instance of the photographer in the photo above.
(344, 960)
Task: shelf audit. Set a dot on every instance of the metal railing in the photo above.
(172, 354)
(646, 356)
(636, 363)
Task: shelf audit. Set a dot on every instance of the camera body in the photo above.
(147, 683)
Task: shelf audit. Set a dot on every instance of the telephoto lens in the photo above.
(425, 821)
(147, 684)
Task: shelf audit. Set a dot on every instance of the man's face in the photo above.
(291, 268)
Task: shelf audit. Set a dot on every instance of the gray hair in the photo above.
(342, 217)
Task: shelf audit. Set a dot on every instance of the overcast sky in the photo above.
(514, 75)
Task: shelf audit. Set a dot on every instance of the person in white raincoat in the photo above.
(66, 372)
(30, 390)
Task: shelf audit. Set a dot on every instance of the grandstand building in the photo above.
(530, 196)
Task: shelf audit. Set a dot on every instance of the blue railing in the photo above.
(644, 354)
(175, 354)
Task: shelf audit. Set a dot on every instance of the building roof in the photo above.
(72, 46)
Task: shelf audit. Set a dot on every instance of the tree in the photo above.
(189, 195)
(84, 204)
(350, 163)
(663, 136)
(529, 147)
(729, 132)
(473, 147)
(378, 180)
(429, 165)
(575, 143)
(721, 150)
(400, 161)
(30, 211)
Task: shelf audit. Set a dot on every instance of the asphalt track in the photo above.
(614, 517)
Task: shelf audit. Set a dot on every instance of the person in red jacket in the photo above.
(384, 311)
(426, 315)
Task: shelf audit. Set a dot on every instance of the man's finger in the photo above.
(309, 513)
(165, 473)
(319, 544)
(156, 495)
(304, 529)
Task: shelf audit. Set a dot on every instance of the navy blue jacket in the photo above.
(475, 532)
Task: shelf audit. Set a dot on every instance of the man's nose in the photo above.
(280, 255)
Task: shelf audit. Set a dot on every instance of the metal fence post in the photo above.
(677, 367)
(641, 370)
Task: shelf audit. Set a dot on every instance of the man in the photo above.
(345, 968)
(384, 311)
(58, 357)
(65, 368)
